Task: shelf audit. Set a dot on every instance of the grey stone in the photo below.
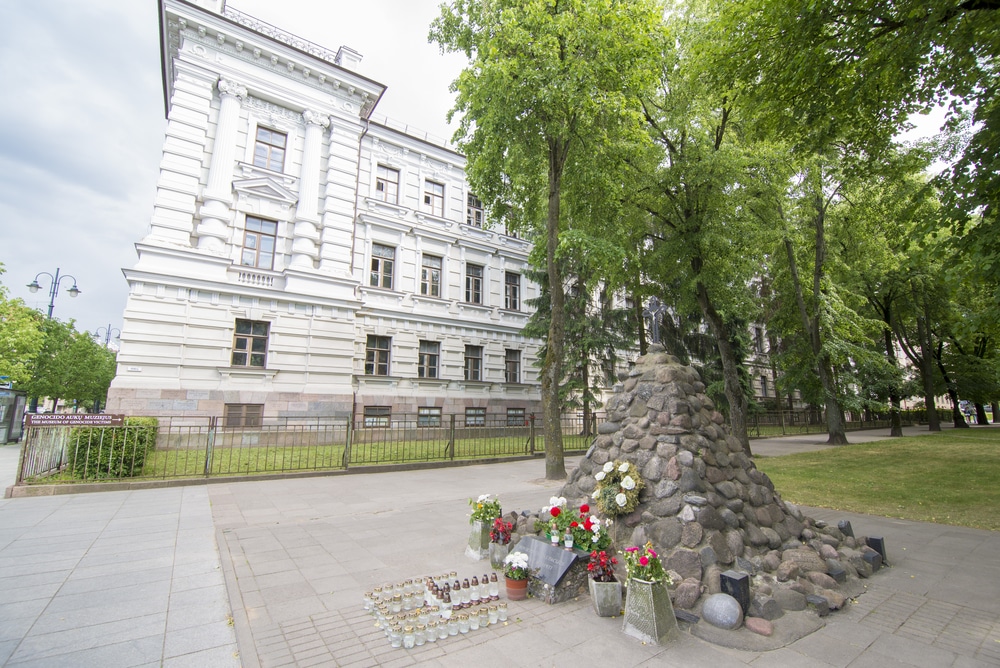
(730, 518)
(709, 518)
(664, 489)
(789, 599)
(691, 534)
(711, 579)
(836, 570)
(708, 556)
(727, 488)
(759, 626)
(685, 562)
(608, 427)
(687, 594)
(665, 534)
(765, 607)
(745, 565)
(818, 603)
(773, 537)
(723, 611)
(690, 481)
(695, 500)
(685, 616)
(821, 580)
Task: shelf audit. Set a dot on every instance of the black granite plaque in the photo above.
(877, 543)
(836, 570)
(845, 528)
(547, 562)
(737, 585)
(874, 560)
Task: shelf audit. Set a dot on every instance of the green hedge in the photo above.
(112, 452)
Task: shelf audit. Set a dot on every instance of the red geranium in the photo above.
(574, 524)
(585, 508)
(555, 510)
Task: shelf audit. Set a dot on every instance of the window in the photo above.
(758, 339)
(512, 366)
(763, 386)
(269, 149)
(387, 184)
(474, 283)
(258, 243)
(473, 211)
(242, 415)
(473, 362)
(434, 198)
(427, 364)
(475, 417)
(250, 343)
(377, 355)
(430, 276)
(515, 417)
(377, 416)
(382, 260)
(428, 416)
(512, 290)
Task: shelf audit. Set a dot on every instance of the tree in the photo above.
(548, 102)
(20, 337)
(707, 246)
(858, 70)
(70, 365)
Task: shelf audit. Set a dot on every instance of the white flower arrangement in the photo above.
(618, 487)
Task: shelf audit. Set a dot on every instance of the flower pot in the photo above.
(517, 590)
(479, 541)
(607, 598)
(498, 552)
(649, 616)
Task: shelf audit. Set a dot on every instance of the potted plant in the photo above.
(500, 533)
(605, 590)
(649, 615)
(515, 570)
(588, 532)
(484, 510)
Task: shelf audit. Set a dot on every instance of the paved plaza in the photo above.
(271, 573)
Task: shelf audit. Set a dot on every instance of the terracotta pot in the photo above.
(517, 590)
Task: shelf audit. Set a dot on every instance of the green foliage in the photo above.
(70, 365)
(20, 338)
(112, 452)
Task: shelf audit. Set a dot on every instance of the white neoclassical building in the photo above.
(303, 260)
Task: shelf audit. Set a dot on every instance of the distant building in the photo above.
(303, 259)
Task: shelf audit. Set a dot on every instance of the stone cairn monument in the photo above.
(705, 506)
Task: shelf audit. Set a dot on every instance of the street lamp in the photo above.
(109, 332)
(54, 289)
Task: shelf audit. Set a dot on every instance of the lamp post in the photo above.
(54, 289)
(109, 333)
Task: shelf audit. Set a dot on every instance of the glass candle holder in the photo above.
(432, 631)
(442, 629)
(484, 617)
(396, 636)
(420, 635)
(502, 611)
(423, 616)
(493, 613)
(396, 605)
(453, 626)
(494, 587)
(463, 623)
(474, 621)
(409, 637)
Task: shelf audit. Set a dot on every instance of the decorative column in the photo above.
(305, 250)
(216, 211)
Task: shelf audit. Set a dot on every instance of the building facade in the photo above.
(304, 260)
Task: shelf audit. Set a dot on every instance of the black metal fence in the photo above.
(197, 447)
(782, 423)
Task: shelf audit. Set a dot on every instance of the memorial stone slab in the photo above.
(877, 543)
(874, 560)
(845, 528)
(557, 573)
(737, 585)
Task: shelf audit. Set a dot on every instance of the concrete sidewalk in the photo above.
(151, 577)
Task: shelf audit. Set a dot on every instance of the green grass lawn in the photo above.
(950, 478)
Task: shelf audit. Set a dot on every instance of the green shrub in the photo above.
(112, 452)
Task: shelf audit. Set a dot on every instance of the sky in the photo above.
(82, 124)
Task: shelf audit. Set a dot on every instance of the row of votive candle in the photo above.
(410, 635)
(411, 594)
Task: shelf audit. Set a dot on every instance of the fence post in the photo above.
(347, 444)
(450, 448)
(210, 443)
(531, 434)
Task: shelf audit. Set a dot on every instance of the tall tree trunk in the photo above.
(927, 373)
(730, 368)
(956, 413)
(552, 366)
(895, 423)
(995, 406)
(585, 373)
(810, 324)
(981, 414)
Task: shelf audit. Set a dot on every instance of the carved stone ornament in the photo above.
(227, 87)
(315, 118)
